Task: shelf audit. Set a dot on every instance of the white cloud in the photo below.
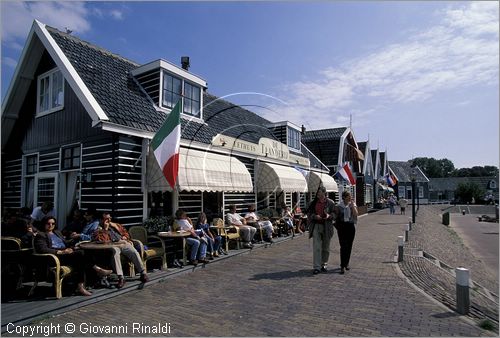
(116, 14)
(9, 62)
(17, 17)
(461, 51)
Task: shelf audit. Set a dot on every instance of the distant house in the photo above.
(404, 172)
(443, 189)
(76, 125)
(334, 147)
(367, 166)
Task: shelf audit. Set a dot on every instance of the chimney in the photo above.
(185, 62)
(303, 130)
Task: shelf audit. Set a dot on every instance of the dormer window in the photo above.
(50, 91)
(175, 88)
(166, 84)
(293, 138)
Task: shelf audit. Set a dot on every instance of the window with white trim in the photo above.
(70, 157)
(50, 92)
(175, 88)
(293, 138)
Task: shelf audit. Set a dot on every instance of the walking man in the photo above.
(321, 214)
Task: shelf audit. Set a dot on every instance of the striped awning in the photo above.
(273, 177)
(201, 171)
(315, 179)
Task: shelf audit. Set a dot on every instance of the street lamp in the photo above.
(413, 188)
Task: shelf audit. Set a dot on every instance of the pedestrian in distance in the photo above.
(346, 219)
(403, 202)
(321, 215)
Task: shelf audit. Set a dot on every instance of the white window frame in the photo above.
(288, 129)
(50, 75)
(420, 192)
(25, 176)
(183, 82)
(61, 160)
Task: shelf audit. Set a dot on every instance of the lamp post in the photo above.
(418, 197)
(413, 188)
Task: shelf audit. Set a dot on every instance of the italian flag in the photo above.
(166, 144)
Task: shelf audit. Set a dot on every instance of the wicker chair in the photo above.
(47, 267)
(14, 262)
(155, 246)
(224, 232)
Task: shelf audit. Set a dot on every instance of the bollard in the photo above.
(400, 248)
(406, 233)
(409, 223)
(463, 301)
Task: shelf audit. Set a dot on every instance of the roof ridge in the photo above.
(217, 98)
(324, 129)
(90, 45)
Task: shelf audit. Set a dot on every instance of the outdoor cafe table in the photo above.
(177, 234)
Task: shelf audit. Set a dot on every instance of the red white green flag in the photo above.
(166, 144)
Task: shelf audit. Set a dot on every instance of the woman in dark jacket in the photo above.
(347, 217)
(52, 241)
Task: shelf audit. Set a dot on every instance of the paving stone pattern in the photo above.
(272, 292)
(444, 244)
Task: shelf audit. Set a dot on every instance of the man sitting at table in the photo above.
(239, 222)
(109, 232)
(251, 217)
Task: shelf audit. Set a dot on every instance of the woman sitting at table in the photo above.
(197, 241)
(51, 241)
(214, 242)
(253, 219)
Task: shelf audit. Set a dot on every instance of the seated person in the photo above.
(15, 226)
(287, 217)
(91, 223)
(297, 219)
(109, 232)
(214, 242)
(197, 241)
(246, 232)
(251, 217)
(53, 242)
(75, 224)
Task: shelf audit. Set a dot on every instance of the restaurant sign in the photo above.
(265, 148)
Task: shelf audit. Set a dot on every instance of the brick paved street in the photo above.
(271, 292)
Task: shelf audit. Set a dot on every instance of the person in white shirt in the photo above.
(197, 243)
(39, 213)
(246, 232)
(251, 217)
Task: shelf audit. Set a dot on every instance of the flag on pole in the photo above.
(166, 144)
(346, 174)
(391, 179)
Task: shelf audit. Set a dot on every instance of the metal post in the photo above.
(463, 301)
(406, 232)
(400, 248)
(409, 223)
(413, 200)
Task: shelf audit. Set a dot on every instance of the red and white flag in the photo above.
(346, 174)
(166, 144)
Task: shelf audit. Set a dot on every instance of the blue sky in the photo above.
(419, 78)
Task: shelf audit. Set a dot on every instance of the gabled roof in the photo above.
(451, 183)
(403, 172)
(323, 134)
(374, 160)
(116, 102)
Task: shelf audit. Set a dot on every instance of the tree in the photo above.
(434, 168)
(468, 190)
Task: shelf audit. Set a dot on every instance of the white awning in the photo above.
(201, 171)
(316, 179)
(272, 177)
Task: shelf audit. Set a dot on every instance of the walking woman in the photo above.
(321, 215)
(347, 217)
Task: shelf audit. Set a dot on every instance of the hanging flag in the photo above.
(391, 179)
(346, 174)
(166, 144)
